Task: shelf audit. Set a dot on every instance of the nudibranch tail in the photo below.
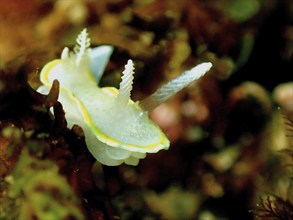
(126, 83)
(174, 86)
(82, 46)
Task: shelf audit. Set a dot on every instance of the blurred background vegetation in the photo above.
(231, 133)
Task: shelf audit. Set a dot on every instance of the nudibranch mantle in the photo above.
(117, 130)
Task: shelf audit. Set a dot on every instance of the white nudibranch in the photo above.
(117, 130)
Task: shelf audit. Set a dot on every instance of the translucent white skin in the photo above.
(127, 125)
(117, 130)
(105, 154)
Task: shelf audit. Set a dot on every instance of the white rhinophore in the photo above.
(174, 86)
(126, 83)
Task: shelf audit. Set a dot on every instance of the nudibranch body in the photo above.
(117, 130)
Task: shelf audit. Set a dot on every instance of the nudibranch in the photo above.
(117, 130)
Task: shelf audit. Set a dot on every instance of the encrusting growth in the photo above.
(117, 130)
